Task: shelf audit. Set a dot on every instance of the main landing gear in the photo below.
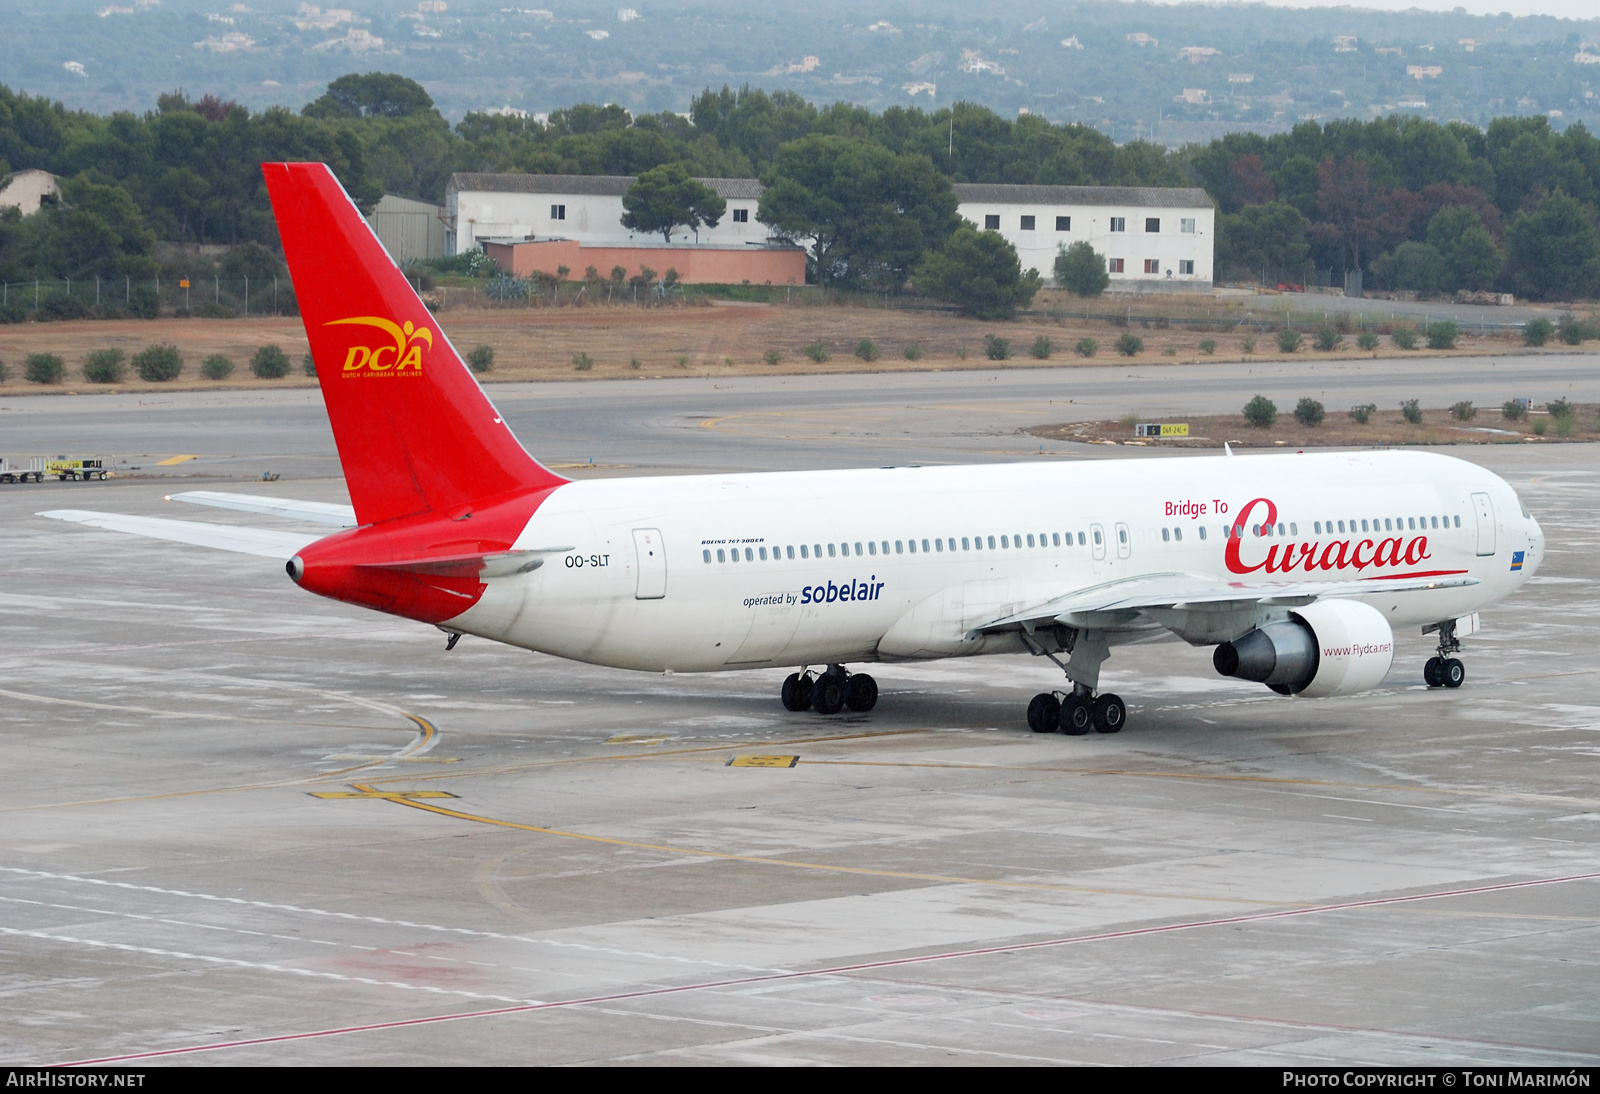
(1445, 670)
(1074, 712)
(830, 691)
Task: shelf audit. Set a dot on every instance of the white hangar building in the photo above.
(585, 208)
(1153, 238)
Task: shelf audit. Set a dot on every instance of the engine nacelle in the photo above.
(1332, 647)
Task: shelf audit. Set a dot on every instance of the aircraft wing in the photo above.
(318, 512)
(267, 542)
(1102, 605)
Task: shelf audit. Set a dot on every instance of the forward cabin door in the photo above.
(1485, 510)
(652, 564)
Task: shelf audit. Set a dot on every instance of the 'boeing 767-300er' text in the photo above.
(1295, 567)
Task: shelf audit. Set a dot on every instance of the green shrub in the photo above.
(61, 307)
(1041, 348)
(582, 362)
(1443, 334)
(1571, 330)
(1411, 412)
(1208, 346)
(1080, 271)
(216, 367)
(1463, 411)
(772, 357)
(961, 352)
(1261, 412)
(817, 352)
(44, 368)
(1536, 332)
(1405, 338)
(104, 366)
(867, 349)
(1309, 412)
(1288, 339)
(210, 309)
(634, 362)
(1367, 340)
(1565, 426)
(480, 358)
(996, 348)
(1363, 412)
(1560, 408)
(912, 352)
(309, 365)
(269, 363)
(1130, 344)
(158, 363)
(1249, 344)
(1513, 410)
(1086, 347)
(5, 373)
(1328, 338)
(683, 362)
(1539, 426)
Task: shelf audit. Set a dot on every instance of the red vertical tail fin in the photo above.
(415, 432)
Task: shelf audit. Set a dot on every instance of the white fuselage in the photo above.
(929, 554)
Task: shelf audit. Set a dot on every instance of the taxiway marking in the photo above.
(843, 970)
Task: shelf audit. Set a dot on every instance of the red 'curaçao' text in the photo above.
(1343, 554)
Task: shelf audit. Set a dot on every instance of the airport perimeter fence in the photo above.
(127, 298)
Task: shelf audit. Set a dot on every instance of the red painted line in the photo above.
(1418, 573)
(837, 970)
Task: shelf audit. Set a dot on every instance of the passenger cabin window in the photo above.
(707, 554)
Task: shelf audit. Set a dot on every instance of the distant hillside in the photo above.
(1167, 73)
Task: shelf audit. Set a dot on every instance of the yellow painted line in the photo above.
(173, 461)
(795, 864)
(427, 732)
(634, 739)
(383, 795)
(763, 761)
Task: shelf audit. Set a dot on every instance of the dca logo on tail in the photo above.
(403, 357)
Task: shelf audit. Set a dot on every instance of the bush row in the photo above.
(154, 364)
(1262, 412)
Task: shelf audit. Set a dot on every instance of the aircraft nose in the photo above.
(1535, 546)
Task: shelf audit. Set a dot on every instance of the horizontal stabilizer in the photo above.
(481, 566)
(318, 512)
(223, 537)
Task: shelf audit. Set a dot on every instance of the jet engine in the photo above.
(1331, 647)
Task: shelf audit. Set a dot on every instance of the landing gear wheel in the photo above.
(1044, 713)
(1452, 673)
(1109, 714)
(797, 692)
(1077, 712)
(827, 695)
(860, 693)
(1430, 673)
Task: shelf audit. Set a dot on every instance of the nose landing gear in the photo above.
(830, 692)
(1445, 670)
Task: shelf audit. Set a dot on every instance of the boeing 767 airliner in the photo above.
(1295, 567)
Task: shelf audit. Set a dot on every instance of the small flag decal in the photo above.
(1516, 560)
